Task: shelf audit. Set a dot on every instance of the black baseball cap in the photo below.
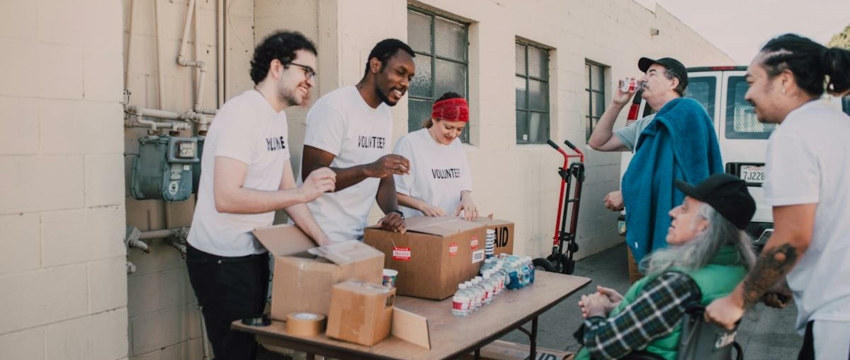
(670, 63)
(727, 194)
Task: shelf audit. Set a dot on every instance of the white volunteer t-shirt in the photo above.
(343, 124)
(807, 163)
(438, 173)
(247, 129)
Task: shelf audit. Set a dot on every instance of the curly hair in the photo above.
(280, 45)
(386, 49)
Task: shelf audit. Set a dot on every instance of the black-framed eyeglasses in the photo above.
(308, 71)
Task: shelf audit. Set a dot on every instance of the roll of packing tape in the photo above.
(305, 324)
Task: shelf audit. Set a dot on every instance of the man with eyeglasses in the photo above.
(349, 130)
(246, 176)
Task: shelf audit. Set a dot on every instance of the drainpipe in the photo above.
(220, 51)
(181, 58)
(161, 77)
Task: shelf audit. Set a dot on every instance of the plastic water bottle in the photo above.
(490, 281)
(478, 295)
(513, 276)
(484, 282)
(531, 267)
(488, 264)
(479, 283)
(460, 302)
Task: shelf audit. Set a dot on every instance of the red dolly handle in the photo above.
(563, 184)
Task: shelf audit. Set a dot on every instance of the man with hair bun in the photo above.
(807, 181)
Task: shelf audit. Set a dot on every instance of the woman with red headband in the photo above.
(439, 182)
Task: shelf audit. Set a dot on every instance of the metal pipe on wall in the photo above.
(220, 51)
(161, 77)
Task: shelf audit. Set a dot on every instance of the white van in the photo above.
(742, 138)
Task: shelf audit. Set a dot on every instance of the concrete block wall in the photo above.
(63, 285)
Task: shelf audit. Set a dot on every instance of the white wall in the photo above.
(63, 286)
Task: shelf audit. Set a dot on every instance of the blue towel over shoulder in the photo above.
(680, 143)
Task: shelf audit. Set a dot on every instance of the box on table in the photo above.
(504, 234)
(360, 312)
(303, 282)
(503, 350)
(433, 256)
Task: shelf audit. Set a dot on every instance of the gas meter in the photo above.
(163, 169)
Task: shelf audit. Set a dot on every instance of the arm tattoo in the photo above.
(772, 266)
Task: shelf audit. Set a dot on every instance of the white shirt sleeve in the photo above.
(404, 183)
(325, 129)
(792, 173)
(238, 136)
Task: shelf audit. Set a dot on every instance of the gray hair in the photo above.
(696, 253)
(680, 88)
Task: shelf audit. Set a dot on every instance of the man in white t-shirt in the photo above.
(807, 182)
(349, 130)
(246, 176)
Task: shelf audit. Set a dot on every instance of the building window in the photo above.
(594, 80)
(442, 63)
(532, 94)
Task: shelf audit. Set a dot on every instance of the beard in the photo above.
(384, 97)
(289, 97)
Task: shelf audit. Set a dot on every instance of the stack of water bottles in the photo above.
(497, 274)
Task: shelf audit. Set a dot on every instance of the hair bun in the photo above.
(836, 64)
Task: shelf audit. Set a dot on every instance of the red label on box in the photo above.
(452, 249)
(473, 243)
(401, 253)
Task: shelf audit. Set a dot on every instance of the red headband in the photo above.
(451, 110)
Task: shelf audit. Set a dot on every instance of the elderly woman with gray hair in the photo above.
(709, 253)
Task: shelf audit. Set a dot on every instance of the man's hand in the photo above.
(614, 200)
(725, 311)
(595, 304)
(392, 222)
(319, 181)
(613, 296)
(470, 212)
(388, 165)
(622, 98)
(428, 210)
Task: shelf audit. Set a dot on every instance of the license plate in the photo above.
(752, 174)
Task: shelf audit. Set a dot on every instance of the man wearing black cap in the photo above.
(664, 83)
(708, 253)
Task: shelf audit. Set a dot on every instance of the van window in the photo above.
(703, 90)
(846, 104)
(741, 122)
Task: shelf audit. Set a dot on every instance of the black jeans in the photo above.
(228, 289)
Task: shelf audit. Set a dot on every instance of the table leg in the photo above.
(311, 356)
(477, 354)
(533, 346)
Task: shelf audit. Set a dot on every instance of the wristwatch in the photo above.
(398, 212)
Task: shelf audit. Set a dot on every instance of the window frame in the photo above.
(527, 77)
(464, 136)
(589, 64)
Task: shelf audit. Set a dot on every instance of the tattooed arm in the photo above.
(792, 235)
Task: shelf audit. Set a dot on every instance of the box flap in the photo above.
(346, 252)
(441, 226)
(411, 328)
(282, 240)
(491, 222)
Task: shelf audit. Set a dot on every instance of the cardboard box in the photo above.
(433, 256)
(503, 350)
(504, 234)
(360, 312)
(303, 282)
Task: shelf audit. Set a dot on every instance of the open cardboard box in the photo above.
(303, 282)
